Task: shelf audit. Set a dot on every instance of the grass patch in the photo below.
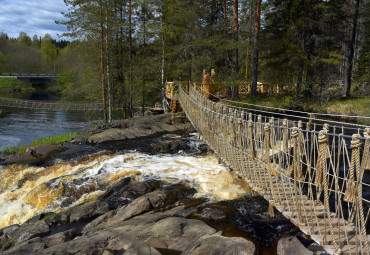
(9, 82)
(49, 140)
(359, 106)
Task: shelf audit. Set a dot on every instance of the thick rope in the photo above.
(360, 174)
(321, 179)
(297, 166)
(272, 133)
(321, 160)
(301, 137)
(365, 164)
(252, 152)
(298, 176)
(285, 136)
(259, 127)
(266, 143)
(350, 194)
(271, 210)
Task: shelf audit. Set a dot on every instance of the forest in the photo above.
(123, 51)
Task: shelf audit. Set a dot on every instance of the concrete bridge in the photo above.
(30, 78)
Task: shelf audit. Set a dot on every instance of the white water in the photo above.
(28, 191)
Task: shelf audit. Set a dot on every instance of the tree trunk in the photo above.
(256, 51)
(308, 92)
(350, 53)
(108, 73)
(249, 42)
(235, 93)
(102, 66)
(143, 91)
(162, 67)
(299, 85)
(130, 58)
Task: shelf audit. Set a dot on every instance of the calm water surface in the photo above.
(21, 126)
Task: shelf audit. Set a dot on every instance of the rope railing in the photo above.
(287, 113)
(316, 177)
(50, 105)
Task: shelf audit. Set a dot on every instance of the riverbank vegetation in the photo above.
(10, 85)
(49, 140)
(123, 52)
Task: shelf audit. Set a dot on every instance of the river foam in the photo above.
(28, 191)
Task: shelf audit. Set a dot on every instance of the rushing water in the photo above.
(28, 191)
(21, 126)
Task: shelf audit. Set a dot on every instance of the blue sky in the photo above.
(31, 16)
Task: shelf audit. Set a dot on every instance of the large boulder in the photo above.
(291, 246)
(43, 151)
(125, 191)
(31, 230)
(141, 248)
(88, 210)
(221, 245)
(137, 127)
(169, 146)
(25, 158)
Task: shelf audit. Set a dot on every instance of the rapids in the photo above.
(28, 191)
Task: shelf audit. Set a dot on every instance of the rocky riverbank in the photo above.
(147, 217)
(153, 218)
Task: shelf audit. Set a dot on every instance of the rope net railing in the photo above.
(328, 118)
(315, 175)
(50, 105)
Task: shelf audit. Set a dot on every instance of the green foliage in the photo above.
(3, 62)
(23, 55)
(49, 140)
(23, 38)
(49, 50)
(10, 82)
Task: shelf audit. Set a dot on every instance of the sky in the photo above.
(32, 16)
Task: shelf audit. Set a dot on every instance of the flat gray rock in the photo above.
(220, 245)
(291, 246)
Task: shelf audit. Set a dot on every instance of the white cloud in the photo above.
(32, 16)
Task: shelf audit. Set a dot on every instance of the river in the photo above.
(21, 126)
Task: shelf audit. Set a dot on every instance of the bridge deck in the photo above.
(268, 160)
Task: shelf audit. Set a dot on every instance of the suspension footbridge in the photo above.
(314, 174)
(50, 105)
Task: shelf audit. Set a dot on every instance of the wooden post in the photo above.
(204, 83)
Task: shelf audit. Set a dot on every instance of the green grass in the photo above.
(49, 140)
(9, 82)
(359, 106)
